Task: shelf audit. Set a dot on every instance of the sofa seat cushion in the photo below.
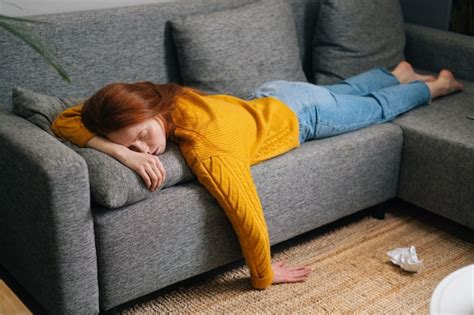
(182, 232)
(234, 51)
(437, 169)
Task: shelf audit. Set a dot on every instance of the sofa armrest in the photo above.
(46, 227)
(433, 49)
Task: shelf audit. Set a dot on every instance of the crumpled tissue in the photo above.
(406, 258)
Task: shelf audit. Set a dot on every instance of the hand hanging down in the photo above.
(284, 274)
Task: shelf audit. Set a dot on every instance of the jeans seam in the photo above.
(345, 125)
(421, 102)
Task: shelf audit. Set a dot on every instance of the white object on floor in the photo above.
(455, 293)
(406, 258)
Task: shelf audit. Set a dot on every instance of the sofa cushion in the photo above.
(354, 36)
(112, 184)
(437, 168)
(234, 51)
(40, 109)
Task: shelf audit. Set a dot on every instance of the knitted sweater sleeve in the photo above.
(68, 125)
(230, 181)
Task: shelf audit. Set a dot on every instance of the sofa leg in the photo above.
(378, 211)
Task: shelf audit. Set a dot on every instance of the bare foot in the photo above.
(284, 274)
(405, 73)
(445, 84)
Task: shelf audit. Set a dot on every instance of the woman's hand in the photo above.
(148, 166)
(284, 274)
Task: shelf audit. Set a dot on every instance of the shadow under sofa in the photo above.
(77, 257)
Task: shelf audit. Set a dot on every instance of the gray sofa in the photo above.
(75, 255)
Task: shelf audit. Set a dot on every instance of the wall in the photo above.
(36, 7)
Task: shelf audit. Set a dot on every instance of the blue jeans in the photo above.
(373, 97)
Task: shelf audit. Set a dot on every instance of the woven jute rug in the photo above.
(352, 272)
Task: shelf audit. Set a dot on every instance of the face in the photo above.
(146, 137)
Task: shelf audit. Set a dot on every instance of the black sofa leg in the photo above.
(378, 211)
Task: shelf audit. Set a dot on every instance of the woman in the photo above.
(221, 136)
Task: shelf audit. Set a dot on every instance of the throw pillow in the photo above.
(353, 36)
(112, 184)
(38, 108)
(235, 51)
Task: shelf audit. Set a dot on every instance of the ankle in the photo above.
(434, 89)
(438, 88)
(399, 75)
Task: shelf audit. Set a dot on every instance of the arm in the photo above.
(432, 49)
(148, 166)
(46, 227)
(229, 180)
(68, 125)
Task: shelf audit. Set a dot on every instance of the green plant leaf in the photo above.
(5, 23)
(19, 19)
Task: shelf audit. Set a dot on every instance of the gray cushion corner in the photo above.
(234, 51)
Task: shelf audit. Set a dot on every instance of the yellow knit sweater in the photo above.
(224, 136)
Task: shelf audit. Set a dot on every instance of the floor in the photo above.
(13, 297)
(9, 302)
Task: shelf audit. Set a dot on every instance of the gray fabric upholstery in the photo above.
(183, 231)
(112, 184)
(305, 13)
(432, 49)
(438, 156)
(46, 229)
(353, 36)
(235, 51)
(135, 44)
(40, 109)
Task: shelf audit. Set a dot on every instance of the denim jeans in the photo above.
(373, 97)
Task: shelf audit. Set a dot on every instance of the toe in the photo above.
(446, 73)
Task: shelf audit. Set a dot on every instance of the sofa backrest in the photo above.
(97, 47)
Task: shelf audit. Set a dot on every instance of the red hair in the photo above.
(119, 105)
